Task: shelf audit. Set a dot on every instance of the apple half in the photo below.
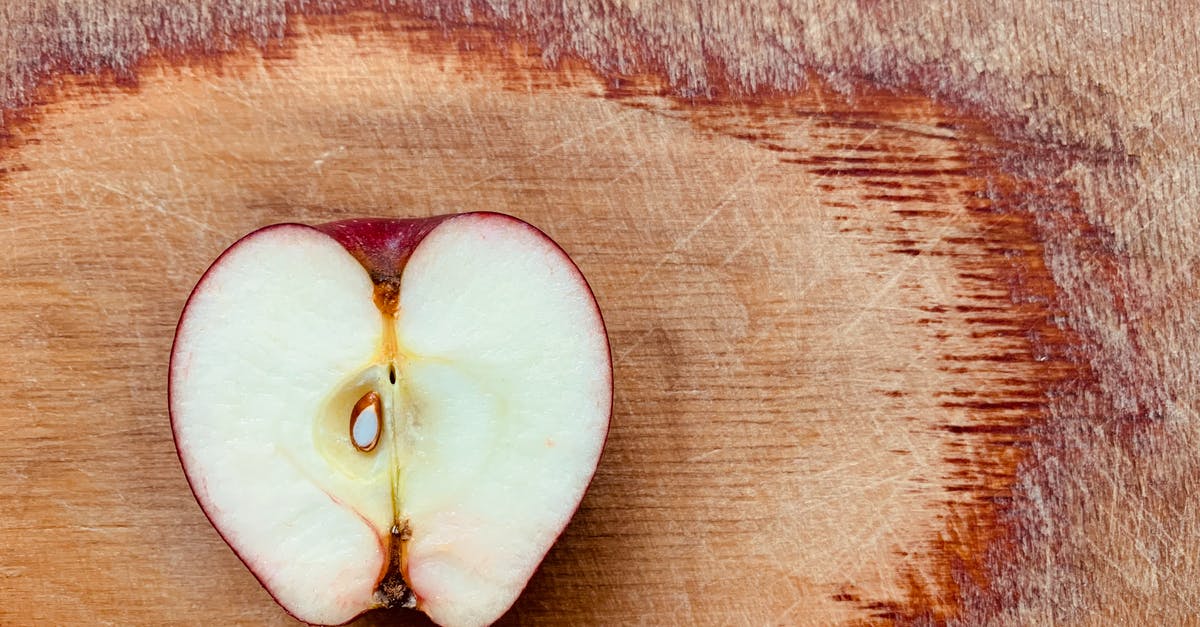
(378, 413)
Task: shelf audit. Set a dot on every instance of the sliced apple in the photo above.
(376, 413)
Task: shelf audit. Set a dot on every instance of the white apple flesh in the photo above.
(379, 413)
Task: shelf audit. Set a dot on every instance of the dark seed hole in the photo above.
(392, 374)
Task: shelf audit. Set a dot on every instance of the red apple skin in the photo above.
(382, 246)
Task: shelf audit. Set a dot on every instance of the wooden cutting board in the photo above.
(889, 344)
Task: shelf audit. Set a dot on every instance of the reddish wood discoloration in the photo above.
(1016, 318)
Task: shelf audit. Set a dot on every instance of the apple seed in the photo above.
(365, 422)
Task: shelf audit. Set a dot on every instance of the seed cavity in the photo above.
(366, 422)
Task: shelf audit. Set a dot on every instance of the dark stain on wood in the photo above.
(1006, 260)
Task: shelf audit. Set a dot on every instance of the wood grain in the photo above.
(896, 341)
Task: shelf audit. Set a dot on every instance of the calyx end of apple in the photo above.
(393, 589)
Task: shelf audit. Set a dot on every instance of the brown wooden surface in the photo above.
(901, 299)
